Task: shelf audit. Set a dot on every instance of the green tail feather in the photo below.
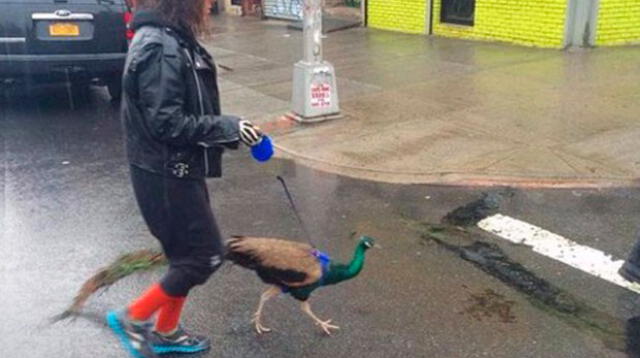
(124, 266)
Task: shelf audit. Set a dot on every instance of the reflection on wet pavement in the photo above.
(69, 210)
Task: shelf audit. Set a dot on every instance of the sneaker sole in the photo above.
(116, 327)
(176, 349)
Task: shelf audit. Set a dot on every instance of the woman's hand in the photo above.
(249, 134)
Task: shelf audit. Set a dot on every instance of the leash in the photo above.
(262, 153)
(295, 211)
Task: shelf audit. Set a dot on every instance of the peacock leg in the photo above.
(266, 295)
(325, 325)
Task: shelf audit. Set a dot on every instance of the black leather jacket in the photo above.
(171, 106)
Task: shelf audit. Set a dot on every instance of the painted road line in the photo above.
(584, 258)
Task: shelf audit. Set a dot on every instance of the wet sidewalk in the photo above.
(422, 109)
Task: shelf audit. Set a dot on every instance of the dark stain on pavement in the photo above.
(489, 304)
(542, 294)
(475, 211)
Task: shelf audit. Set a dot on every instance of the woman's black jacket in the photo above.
(171, 105)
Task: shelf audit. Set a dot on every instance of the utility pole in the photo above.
(315, 93)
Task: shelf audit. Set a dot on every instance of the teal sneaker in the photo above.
(135, 338)
(179, 342)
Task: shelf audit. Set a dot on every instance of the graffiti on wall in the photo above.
(288, 9)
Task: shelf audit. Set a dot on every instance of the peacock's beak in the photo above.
(377, 246)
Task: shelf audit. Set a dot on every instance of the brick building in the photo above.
(544, 23)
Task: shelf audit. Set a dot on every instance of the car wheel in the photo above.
(115, 89)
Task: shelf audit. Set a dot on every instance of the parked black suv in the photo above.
(61, 40)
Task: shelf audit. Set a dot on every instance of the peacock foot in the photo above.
(260, 329)
(326, 326)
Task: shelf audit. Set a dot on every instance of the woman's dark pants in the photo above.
(178, 213)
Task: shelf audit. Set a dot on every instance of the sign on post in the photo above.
(320, 95)
(315, 95)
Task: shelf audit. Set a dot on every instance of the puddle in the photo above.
(490, 304)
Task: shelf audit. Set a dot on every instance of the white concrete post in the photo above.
(315, 93)
(581, 23)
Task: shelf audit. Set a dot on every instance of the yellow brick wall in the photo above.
(618, 22)
(398, 15)
(526, 22)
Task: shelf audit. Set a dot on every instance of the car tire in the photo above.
(115, 89)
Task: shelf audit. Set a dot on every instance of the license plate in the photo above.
(64, 29)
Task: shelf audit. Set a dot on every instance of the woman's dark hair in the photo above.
(182, 13)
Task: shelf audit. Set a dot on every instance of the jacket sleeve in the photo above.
(162, 91)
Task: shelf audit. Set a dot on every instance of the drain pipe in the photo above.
(363, 12)
(428, 28)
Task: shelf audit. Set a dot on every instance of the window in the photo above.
(458, 12)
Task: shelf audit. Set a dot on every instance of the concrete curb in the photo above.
(284, 125)
(458, 178)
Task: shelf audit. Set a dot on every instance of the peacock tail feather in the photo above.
(125, 265)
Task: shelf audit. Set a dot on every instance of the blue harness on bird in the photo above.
(324, 261)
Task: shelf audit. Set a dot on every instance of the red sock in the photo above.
(169, 315)
(144, 306)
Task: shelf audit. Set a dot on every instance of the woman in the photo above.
(175, 136)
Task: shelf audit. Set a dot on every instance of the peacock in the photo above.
(294, 268)
(287, 266)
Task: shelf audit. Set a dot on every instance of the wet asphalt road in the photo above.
(67, 209)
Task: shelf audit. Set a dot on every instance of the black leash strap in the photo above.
(295, 211)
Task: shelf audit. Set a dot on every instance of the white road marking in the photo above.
(584, 258)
